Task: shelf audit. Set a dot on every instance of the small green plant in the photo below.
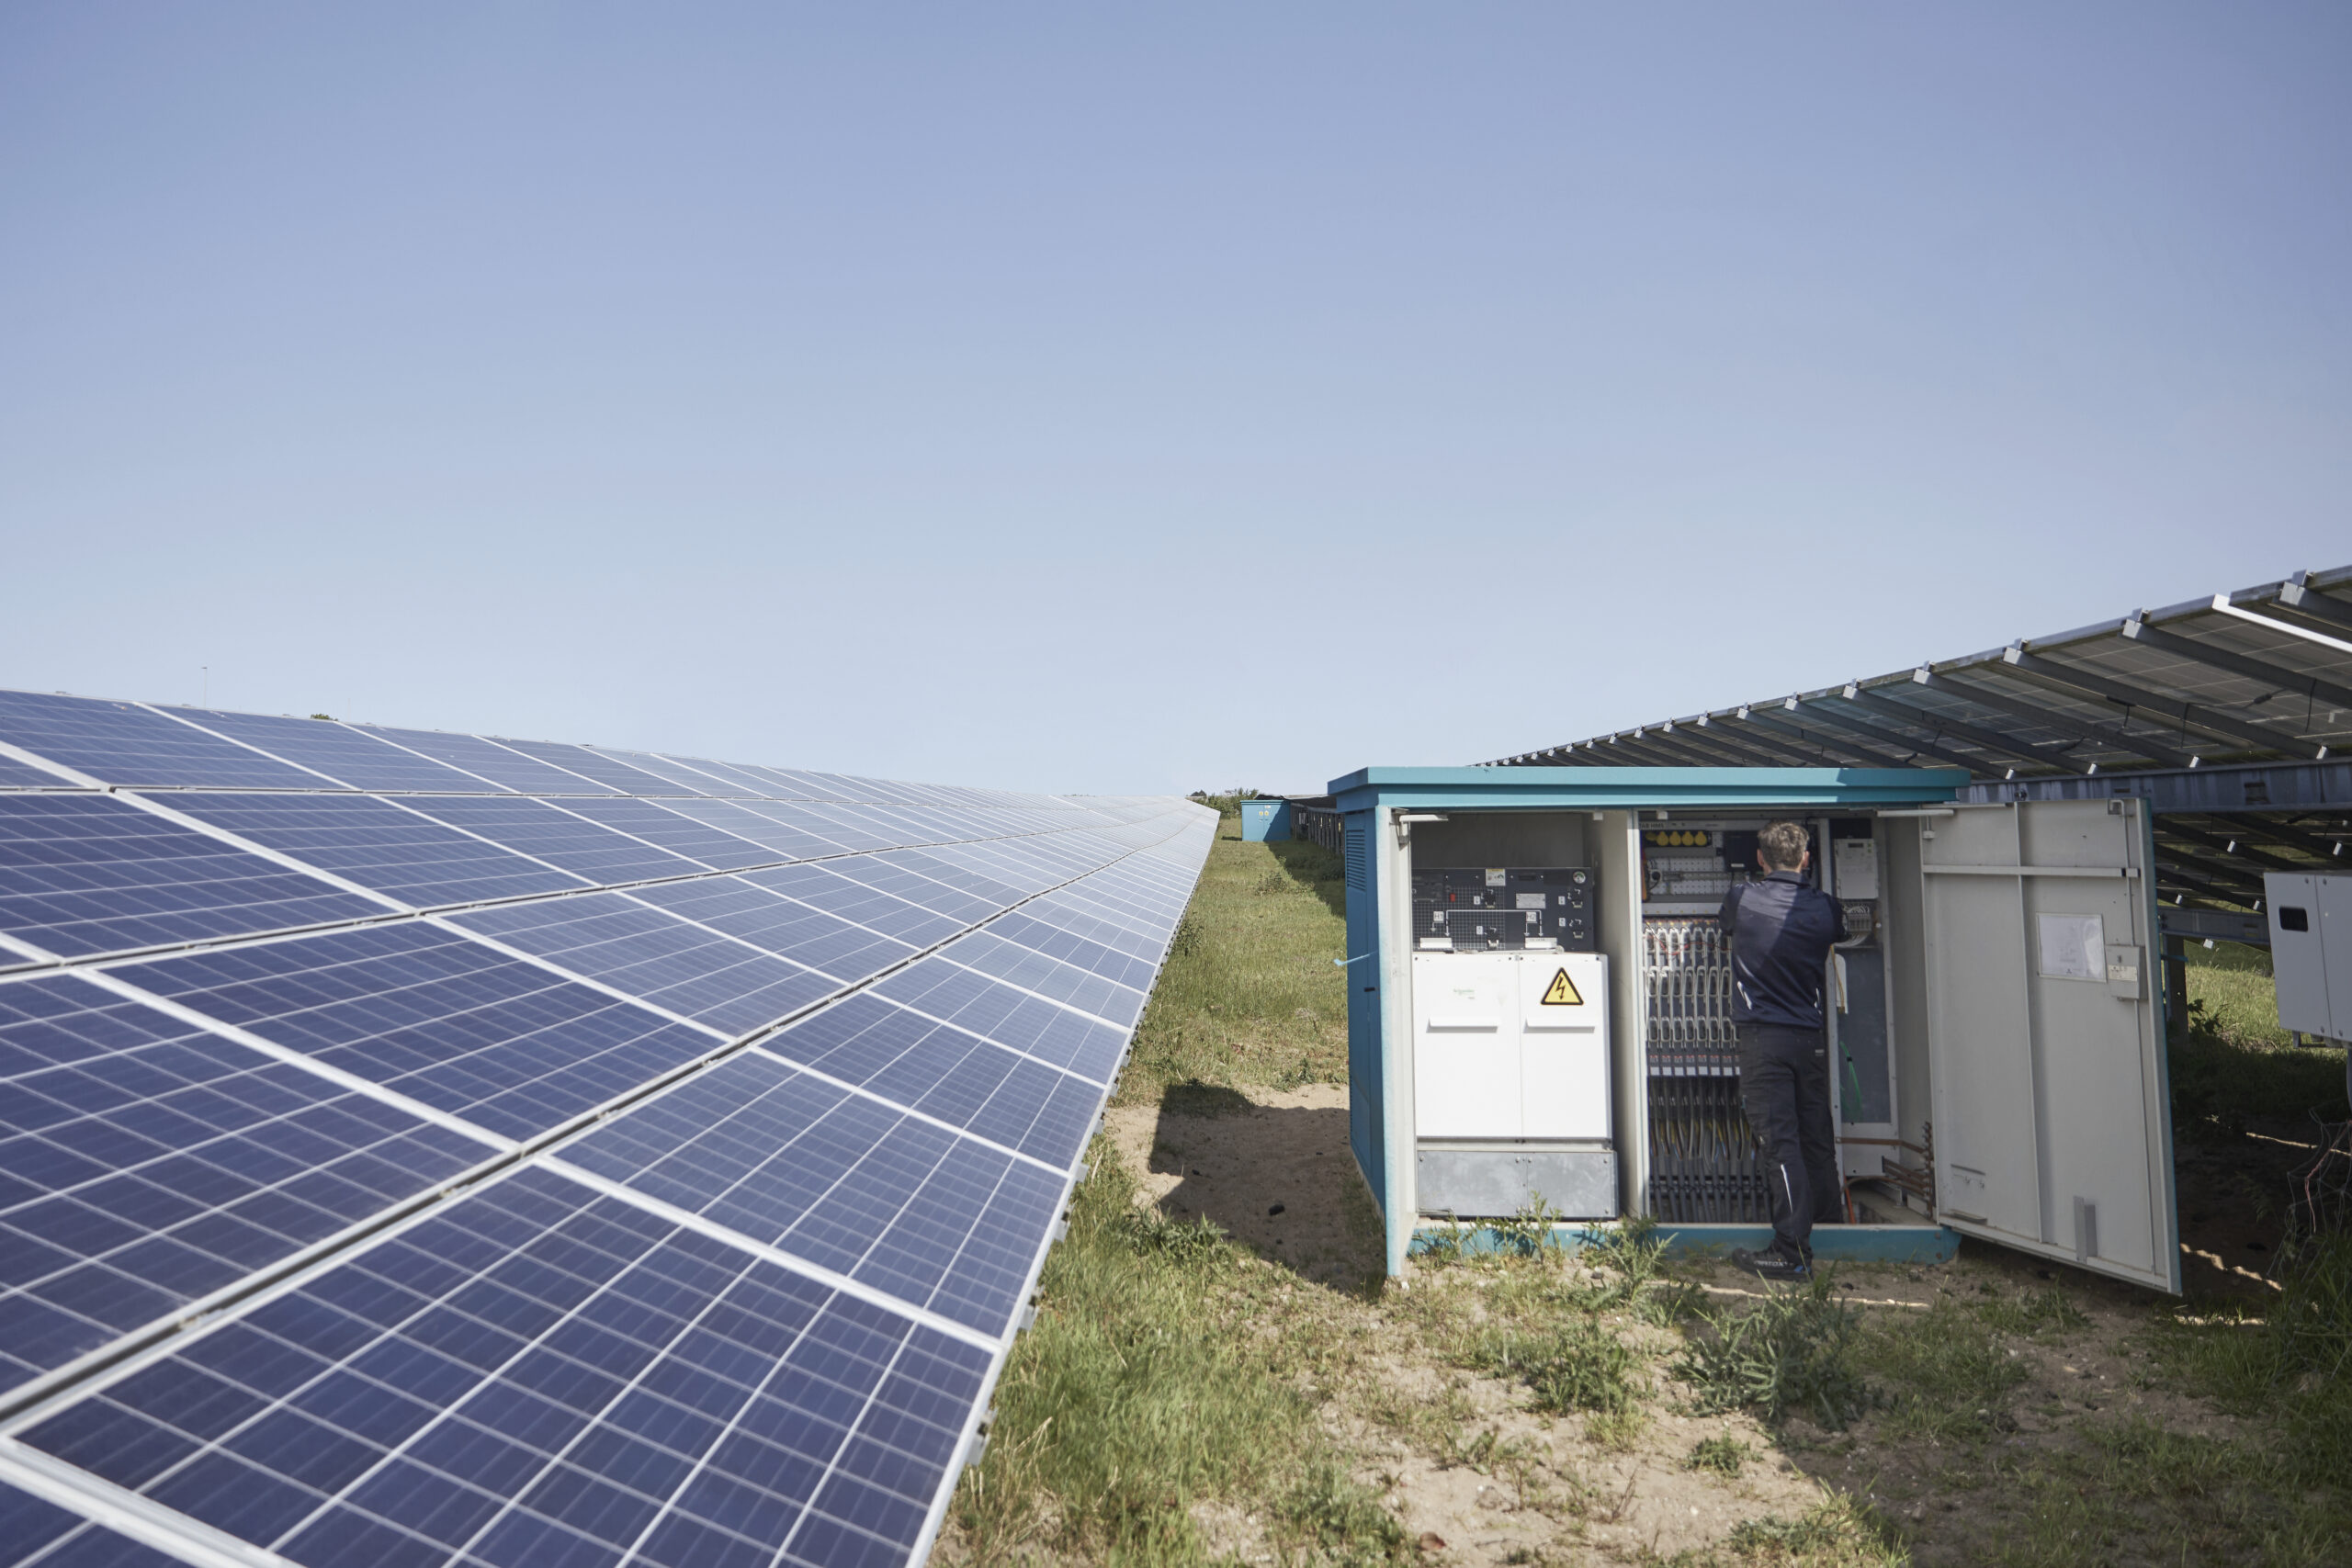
(1616, 1430)
(1486, 1453)
(1193, 1243)
(1531, 1233)
(1791, 1351)
(1576, 1365)
(1840, 1533)
(1724, 1454)
(1340, 1519)
(1439, 1248)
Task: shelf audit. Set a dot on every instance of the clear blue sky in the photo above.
(1142, 398)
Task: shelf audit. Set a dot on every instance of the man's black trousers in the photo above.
(1784, 1083)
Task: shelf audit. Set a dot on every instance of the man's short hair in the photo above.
(1782, 845)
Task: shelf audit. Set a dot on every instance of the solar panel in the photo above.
(544, 1374)
(350, 757)
(608, 770)
(487, 759)
(782, 926)
(145, 1162)
(845, 1181)
(820, 886)
(88, 873)
(124, 743)
(509, 1046)
(559, 837)
(674, 963)
(381, 845)
(737, 817)
(674, 832)
(41, 1535)
(651, 1201)
(23, 775)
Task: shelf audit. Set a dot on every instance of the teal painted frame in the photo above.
(1379, 1107)
(1837, 1244)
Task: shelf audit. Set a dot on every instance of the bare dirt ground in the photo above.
(1465, 1461)
(1476, 1477)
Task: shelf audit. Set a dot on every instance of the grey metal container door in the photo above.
(2052, 1117)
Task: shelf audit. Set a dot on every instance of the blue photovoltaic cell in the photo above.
(119, 743)
(892, 916)
(738, 818)
(843, 825)
(378, 845)
(1087, 1046)
(1034, 971)
(739, 780)
(525, 775)
(656, 956)
(544, 832)
(541, 1378)
(85, 874)
(36, 1533)
(1065, 913)
(936, 1220)
(352, 757)
(677, 833)
(944, 1072)
(979, 886)
(774, 923)
(145, 1162)
(15, 775)
(440, 1018)
(1092, 956)
(696, 781)
(596, 765)
(883, 872)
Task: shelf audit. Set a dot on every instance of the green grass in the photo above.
(1838, 1533)
(2231, 996)
(1577, 1364)
(1793, 1351)
(1249, 994)
(1724, 1455)
(1147, 1386)
(2234, 1062)
(1135, 1397)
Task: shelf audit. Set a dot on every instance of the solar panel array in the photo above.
(428, 1148)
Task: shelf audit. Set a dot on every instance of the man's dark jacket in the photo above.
(1779, 932)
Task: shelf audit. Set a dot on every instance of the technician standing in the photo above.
(1780, 931)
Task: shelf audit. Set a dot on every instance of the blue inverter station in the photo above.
(1266, 818)
(1539, 1007)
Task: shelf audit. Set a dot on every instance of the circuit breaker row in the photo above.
(1705, 1166)
(1503, 908)
(1687, 969)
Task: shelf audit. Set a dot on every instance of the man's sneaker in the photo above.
(1770, 1266)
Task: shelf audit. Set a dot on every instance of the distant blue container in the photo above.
(1264, 819)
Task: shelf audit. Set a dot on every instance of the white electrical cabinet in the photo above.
(1511, 1088)
(2311, 951)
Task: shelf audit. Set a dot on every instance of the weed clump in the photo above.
(1340, 1519)
(1724, 1455)
(1793, 1351)
(1578, 1365)
(1193, 1243)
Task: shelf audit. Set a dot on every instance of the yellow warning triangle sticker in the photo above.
(1561, 993)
